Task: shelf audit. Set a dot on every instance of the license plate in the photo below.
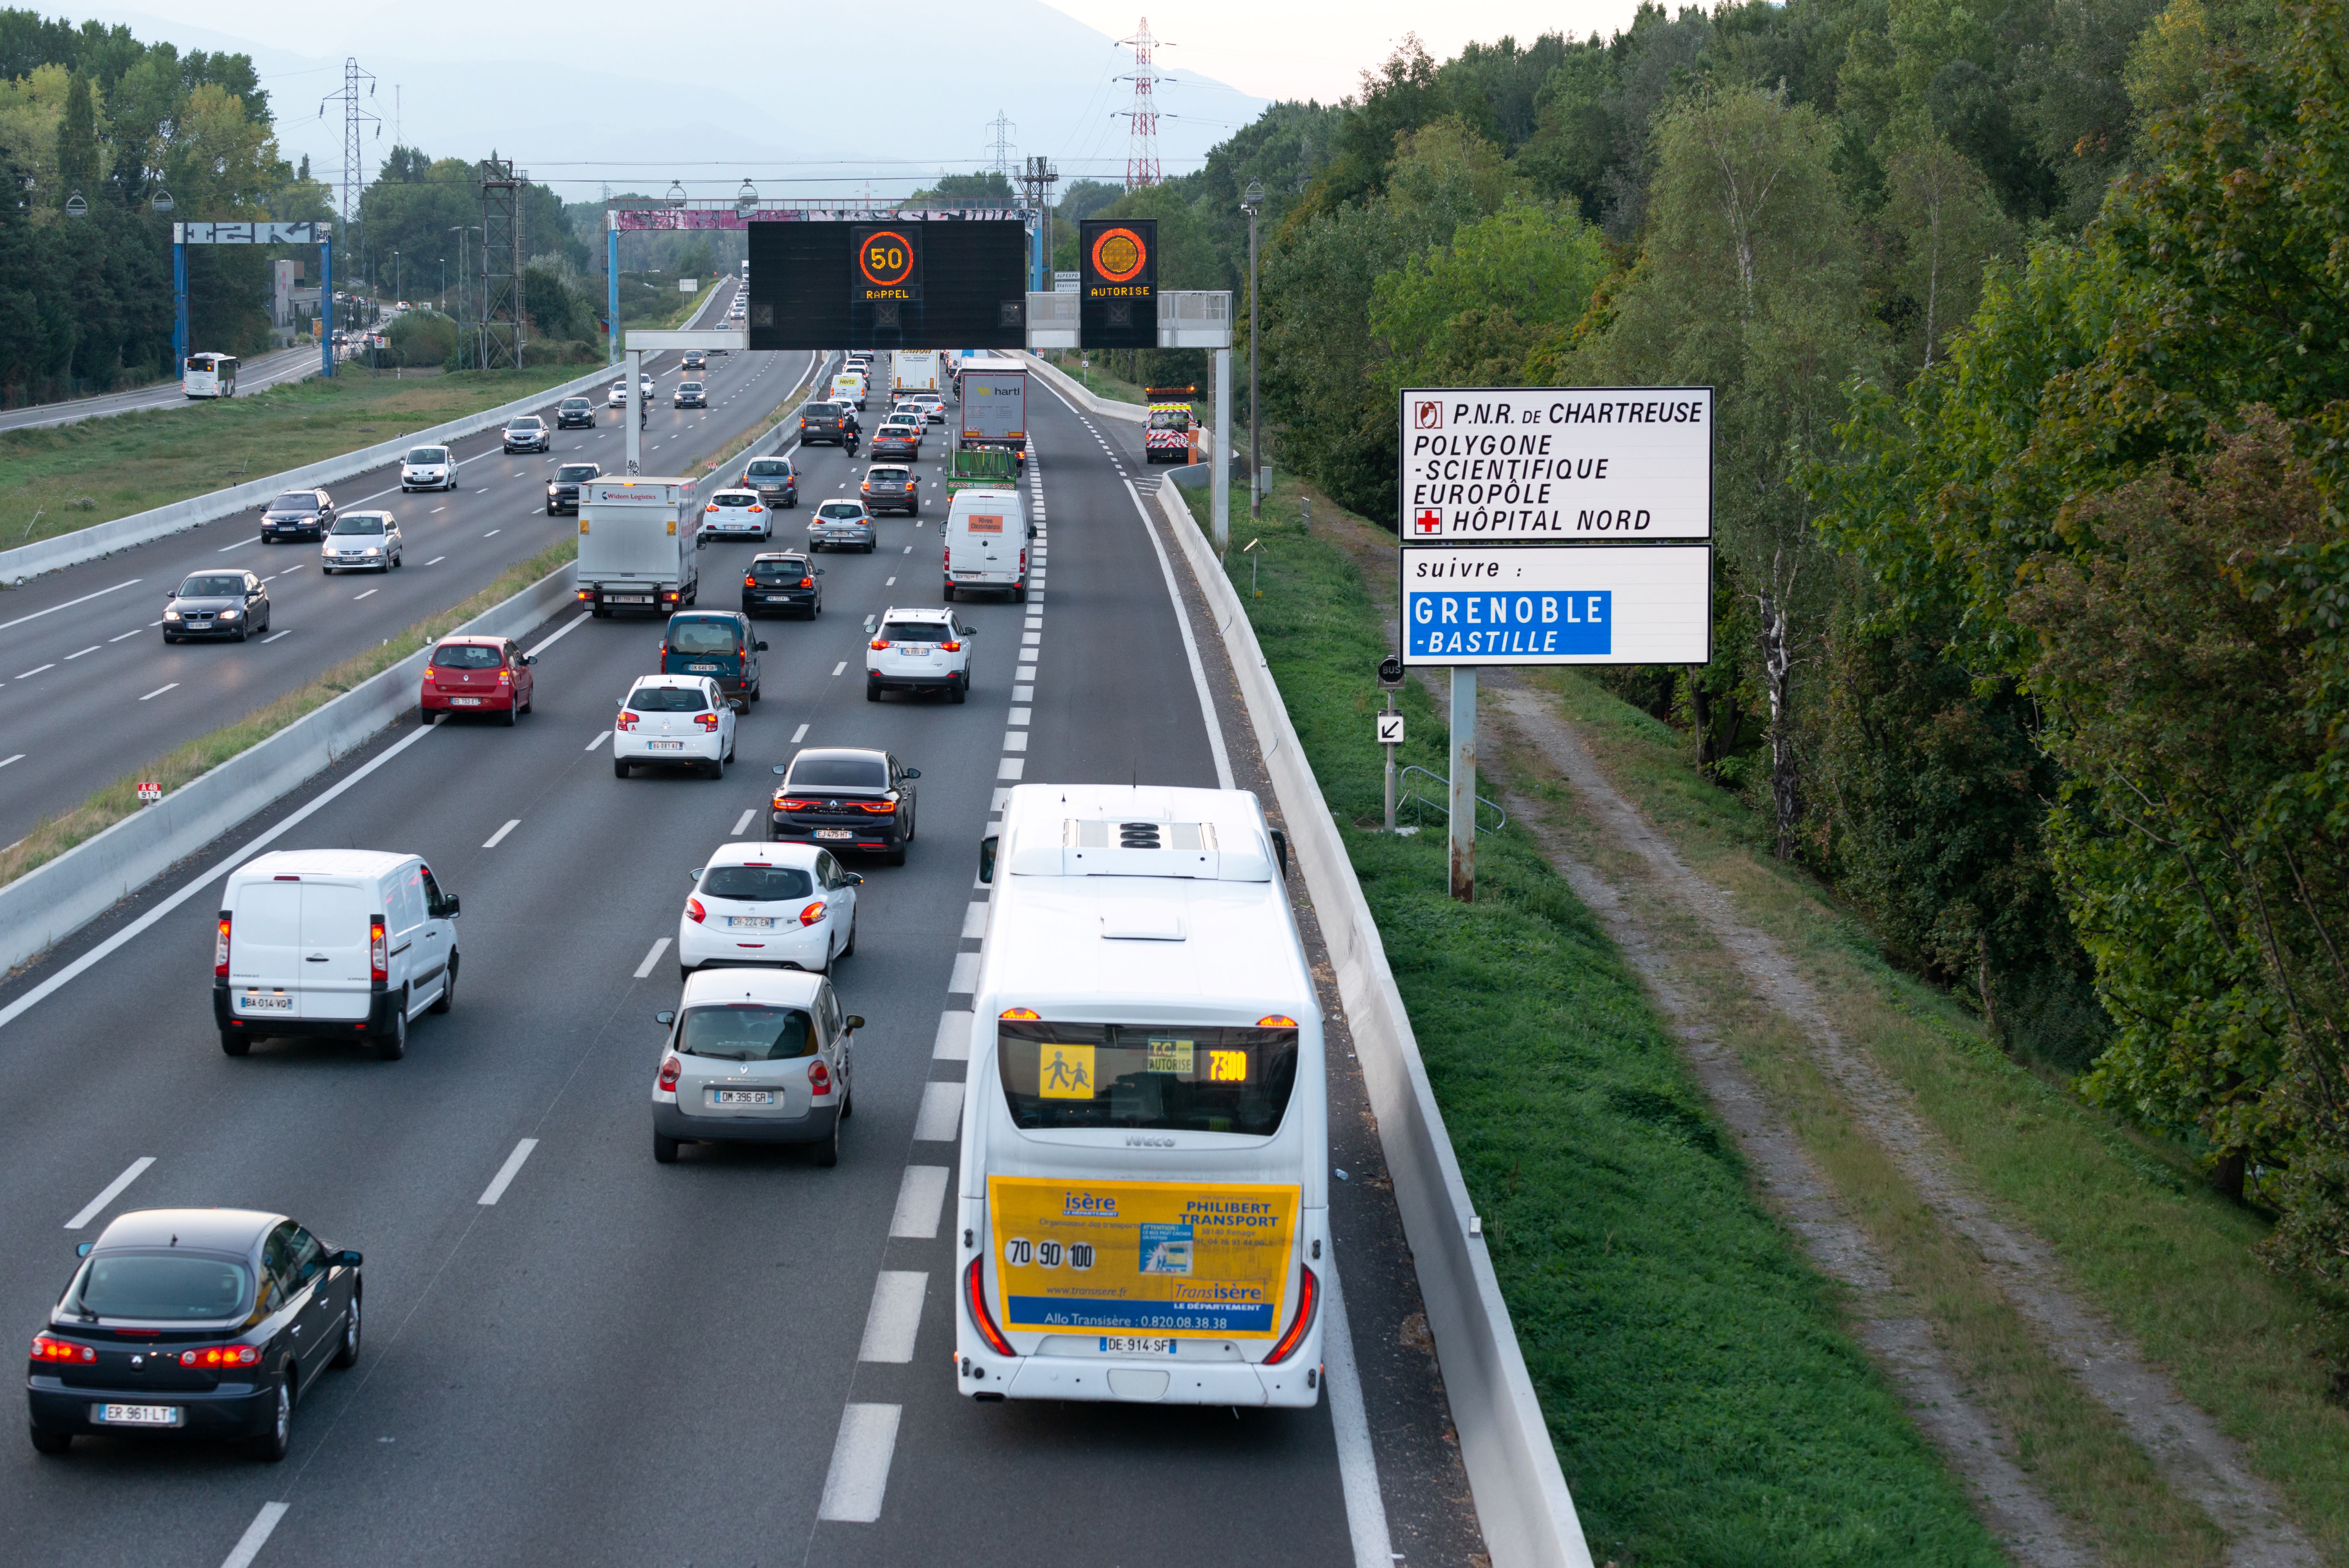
(665, 745)
(775, 598)
(1116, 1344)
(266, 1002)
(921, 649)
(464, 701)
(744, 1097)
(138, 1415)
(628, 598)
(751, 922)
(701, 668)
(834, 833)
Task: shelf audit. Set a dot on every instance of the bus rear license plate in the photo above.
(1113, 1344)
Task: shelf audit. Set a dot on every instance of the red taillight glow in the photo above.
(1020, 1013)
(812, 913)
(807, 581)
(695, 912)
(55, 1350)
(221, 1355)
(750, 582)
(756, 509)
(786, 803)
(878, 807)
(378, 958)
(220, 949)
(951, 646)
(669, 1069)
(1277, 1021)
(974, 1292)
(626, 721)
(709, 721)
(880, 642)
(1308, 1303)
(819, 1078)
(505, 677)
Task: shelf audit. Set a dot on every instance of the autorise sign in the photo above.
(1492, 464)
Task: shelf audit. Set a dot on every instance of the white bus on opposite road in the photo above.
(210, 376)
(1143, 1207)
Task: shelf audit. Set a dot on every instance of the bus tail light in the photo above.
(974, 1295)
(379, 960)
(1308, 1306)
(220, 949)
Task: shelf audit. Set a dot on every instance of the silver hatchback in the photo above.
(840, 525)
(362, 542)
(754, 1056)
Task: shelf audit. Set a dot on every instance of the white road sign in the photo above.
(303, 232)
(1557, 604)
(1541, 463)
(1389, 728)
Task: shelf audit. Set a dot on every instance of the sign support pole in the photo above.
(1219, 488)
(179, 305)
(633, 413)
(612, 284)
(1390, 751)
(1464, 782)
(326, 307)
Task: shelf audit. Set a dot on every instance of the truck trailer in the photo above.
(994, 404)
(638, 545)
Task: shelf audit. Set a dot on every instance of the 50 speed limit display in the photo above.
(888, 262)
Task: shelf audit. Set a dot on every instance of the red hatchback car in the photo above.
(478, 674)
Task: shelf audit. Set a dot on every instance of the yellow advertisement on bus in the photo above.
(1141, 1257)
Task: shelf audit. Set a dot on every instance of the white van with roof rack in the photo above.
(1144, 1207)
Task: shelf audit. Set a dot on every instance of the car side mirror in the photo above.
(694, 874)
(530, 658)
(855, 1020)
(819, 571)
(346, 1259)
(449, 906)
(81, 1249)
(758, 648)
(664, 1019)
(911, 774)
(986, 858)
(1280, 851)
(780, 768)
(856, 879)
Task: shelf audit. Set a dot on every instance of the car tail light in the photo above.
(505, 677)
(220, 949)
(378, 959)
(626, 721)
(1309, 1305)
(750, 582)
(756, 509)
(807, 581)
(812, 913)
(711, 507)
(221, 1356)
(819, 1078)
(880, 807)
(974, 1295)
(880, 642)
(709, 721)
(669, 1069)
(55, 1350)
(787, 803)
(586, 595)
(951, 646)
(694, 911)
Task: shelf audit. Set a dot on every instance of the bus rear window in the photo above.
(1171, 1079)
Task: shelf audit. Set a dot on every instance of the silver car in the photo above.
(840, 525)
(528, 432)
(361, 542)
(754, 1056)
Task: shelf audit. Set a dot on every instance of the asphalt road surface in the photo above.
(598, 1359)
(89, 690)
(255, 374)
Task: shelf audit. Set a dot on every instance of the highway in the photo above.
(577, 1355)
(255, 374)
(89, 690)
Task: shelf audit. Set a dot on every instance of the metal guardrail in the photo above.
(1442, 808)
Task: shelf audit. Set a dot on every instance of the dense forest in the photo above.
(2032, 579)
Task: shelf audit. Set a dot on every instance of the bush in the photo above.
(421, 337)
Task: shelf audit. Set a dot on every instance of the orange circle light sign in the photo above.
(886, 259)
(1119, 255)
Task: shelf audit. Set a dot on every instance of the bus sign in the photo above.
(1142, 1257)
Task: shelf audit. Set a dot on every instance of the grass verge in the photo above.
(59, 481)
(181, 764)
(1706, 1403)
(1099, 382)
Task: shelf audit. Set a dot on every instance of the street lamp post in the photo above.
(1251, 203)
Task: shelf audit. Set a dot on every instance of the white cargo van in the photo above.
(345, 943)
(988, 533)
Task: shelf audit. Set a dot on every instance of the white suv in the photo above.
(429, 468)
(758, 903)
(675, 719)
(919, 651)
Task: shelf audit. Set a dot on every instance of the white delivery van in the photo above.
(348, 944)
(988, 534)
(638, 540)
(1142, 1213)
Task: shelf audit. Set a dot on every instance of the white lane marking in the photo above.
(743, 823)
(560, 632)
(499, 836)
(146, 922)
(436, 560)
(1011, 767)
(859, 1476)
(369, 594)
(1023, 694)
(126, 635)
(836, 668)
(1021, 715)
(1190, 646)
(437, 510)
(240, 544)
(644, 969)
(172, 686)
(93, 647)
(291, 570)
(1028, 638)
(255, 1536)
(492, 532)
(17, 758)
(1358, 1463)
(507, 1172)
(894, 1319)
(274, 635)
(598, 741)
(799, 735)
(909, 549)
(954, 1036)
(891, 582)
(1015, 740)
(941, 1112)
(96, 1205)
(974, 920)
(37, 669)
(921, 1195)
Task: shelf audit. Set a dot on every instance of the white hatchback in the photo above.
(678, 719)
(429, 468)
(737, 513)
(759, 903)
(918, 651)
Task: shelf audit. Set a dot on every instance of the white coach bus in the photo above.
(1143, 1208)
(210, 376)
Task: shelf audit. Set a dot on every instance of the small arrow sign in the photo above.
(1389, 728)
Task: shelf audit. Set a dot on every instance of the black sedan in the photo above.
(562, 490)
(574, 411)
(234, 605)
(781, 581)
(841, 799)
(298, 515)
(203, 1323)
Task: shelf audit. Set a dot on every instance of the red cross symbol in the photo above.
(1428, 520)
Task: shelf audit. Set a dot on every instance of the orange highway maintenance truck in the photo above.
(1171, 435)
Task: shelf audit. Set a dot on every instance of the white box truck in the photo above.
(914, 370)
(638, 544)
(994, 402)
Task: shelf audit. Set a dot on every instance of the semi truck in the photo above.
(994, 404)
(640, 543)
(915, 370)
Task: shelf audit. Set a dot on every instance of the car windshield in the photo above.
(360, 523)
(1171, 1079)
(839, 772)
(702, 637)
(574, 402)
(466, 656)
(165, 1286)
(575, 472)
(844, 511)
(758, 883)
(746, 1031)
(296, 502)
(202, 587)
(736, 498)
(783, 571)
(428, 454)
(824, 411)
(688, 386)
(527, 422)
(770, 468)
(667, 700)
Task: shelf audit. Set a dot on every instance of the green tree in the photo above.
(1947, 224)
(1462, 314)
(78, 160)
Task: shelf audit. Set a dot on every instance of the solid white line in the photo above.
(147, 921)
(921, 1196)
(954, 1036)
(974, 920)
(560, 632)
(255, 1536)
(598, 741)
(1358, 1463)
(894, 1319)
(644, 969)
(506, 1172)
(941, 1113)
(113, 1191)
(859, 1476)
(499, 836)
(1190, 645)
(161, 689)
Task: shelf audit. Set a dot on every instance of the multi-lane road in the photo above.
(89, 690)
(574, 1355)
(254, 375)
